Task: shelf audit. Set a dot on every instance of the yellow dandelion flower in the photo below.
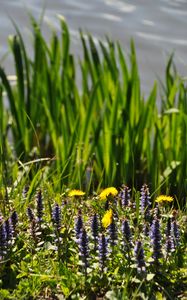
(163, 198)
(107, 218)
(76, 193)
(108, 191)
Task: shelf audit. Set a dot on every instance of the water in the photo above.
(157, 27)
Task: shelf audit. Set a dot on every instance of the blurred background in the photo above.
(158, 28)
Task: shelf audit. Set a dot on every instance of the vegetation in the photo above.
(59, 133)
(102, 132)
(72, 247)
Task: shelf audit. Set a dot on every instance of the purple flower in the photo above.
(30, 214)
(9, 230)
(83, 248)
(64, 202)
(113, 233)
(156, 239)
(3, 240)
(39, 207)
(107, 204)
(145, 202)
(168, 227)
(169, 246)
(146, 228)
(139, 256)
(175, 233)
(78, 224)
(102, 251)
(33, 231)
(1, 217)
(14, 220)
(156, 212)
(56, 216)
(126, 231)
(95, 225)
(125, 196)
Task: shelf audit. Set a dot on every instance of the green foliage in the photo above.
(37, 263)
(101, 131)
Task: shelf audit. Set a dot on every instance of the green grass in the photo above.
(99, 133)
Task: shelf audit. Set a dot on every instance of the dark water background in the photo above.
(158, 28)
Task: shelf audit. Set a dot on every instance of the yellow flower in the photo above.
(163, 198)
(76, 193)
(107, 218)
(108, 191)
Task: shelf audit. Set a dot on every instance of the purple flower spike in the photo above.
(156, 240)
(56, 215)
(78, 224)
(168, 228)
(14, 219)
(113, 233)
(175, 233)
(39, 201)
(95, 225)
(125, 196)
(126, 231)
(30, 214)
(3, 241)
(139, 256)
(169, 245)
(83, 248)
(9, 230)
(102, 251)
(145, 202)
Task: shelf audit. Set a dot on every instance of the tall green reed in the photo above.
(102, 131)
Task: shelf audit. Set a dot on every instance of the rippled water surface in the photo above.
(157, 27)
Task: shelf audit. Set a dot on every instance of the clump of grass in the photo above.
(102, 132)
(60, 248)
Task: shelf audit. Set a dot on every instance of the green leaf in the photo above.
(172, 111)
(150, 276)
